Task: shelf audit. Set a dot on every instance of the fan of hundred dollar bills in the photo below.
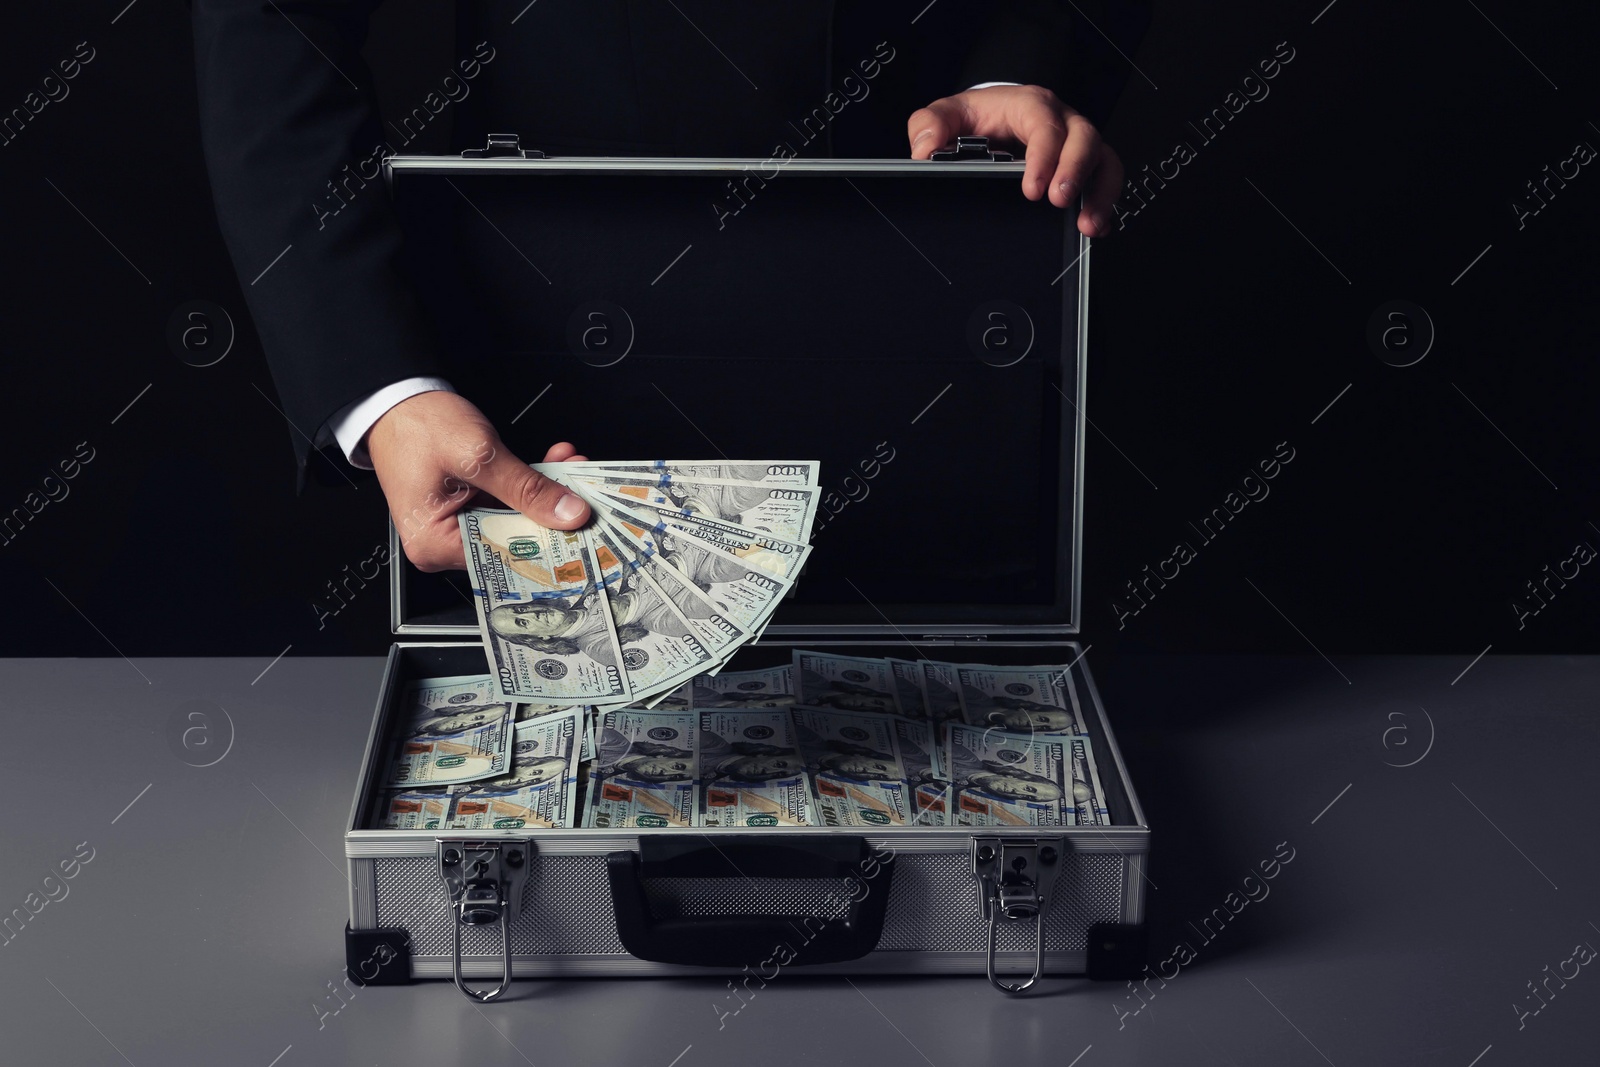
(683, 563)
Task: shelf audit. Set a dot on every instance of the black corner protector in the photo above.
(378, 957)
(1117, 951)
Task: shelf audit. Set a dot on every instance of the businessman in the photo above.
(286, 102)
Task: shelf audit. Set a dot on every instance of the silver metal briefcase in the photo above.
(830, 301)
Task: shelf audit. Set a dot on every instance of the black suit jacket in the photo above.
(291, 128)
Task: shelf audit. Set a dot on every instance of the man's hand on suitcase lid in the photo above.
(436, 454)
(1065, 156)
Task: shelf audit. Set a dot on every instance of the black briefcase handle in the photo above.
(752, 940)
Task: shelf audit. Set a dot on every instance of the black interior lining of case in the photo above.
(827, 319)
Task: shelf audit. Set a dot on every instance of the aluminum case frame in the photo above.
(933, 925)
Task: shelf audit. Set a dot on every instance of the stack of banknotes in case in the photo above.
(825, 740)
(470, 760)
(851, 741)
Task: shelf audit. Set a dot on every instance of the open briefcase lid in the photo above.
(918, 327)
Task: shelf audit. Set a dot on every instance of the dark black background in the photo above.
(1394, 143)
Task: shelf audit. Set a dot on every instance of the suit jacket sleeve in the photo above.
(292, 142)
(1062, 46)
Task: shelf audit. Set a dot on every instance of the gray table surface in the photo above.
(1420, 903)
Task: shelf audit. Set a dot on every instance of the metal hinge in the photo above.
(483, 883)
(1015, 878)
(975, 148)
(502, 144)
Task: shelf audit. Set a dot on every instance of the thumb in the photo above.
(519, 486)
(934, 127)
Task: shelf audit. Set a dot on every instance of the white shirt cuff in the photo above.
(985, 85)
(349, 425)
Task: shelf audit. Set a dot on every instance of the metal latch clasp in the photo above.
(967, 148)
(483, 883)
(1016, 877)
(500, 145)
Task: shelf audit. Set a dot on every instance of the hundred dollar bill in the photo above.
(535, 711)
(541, 787)
(719, 633)
(787, 512)
(444, 746)
(740, 620)
(660, 649)
(644, 770)
(756, 549)
(920, 757)
(751, 773)
(542, 610)
(770, 687)
(452, 733)
(455, 689)
(855, 773)
(417, 809)
(849, 683)
(746, 579)
(722, 635)
(941, 691)
(801, 472)
(706, 557)
(1005, 779)
(1019, 699)
(1088, 799)
(745, 595)
(908, 687)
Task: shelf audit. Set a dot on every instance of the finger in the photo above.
(560, 451)
(546, 502)
(1041, 126)
(935, 126)
(576, 459)
(434, 547)
(1097, 216)
(428, 531)
(1077, 161)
